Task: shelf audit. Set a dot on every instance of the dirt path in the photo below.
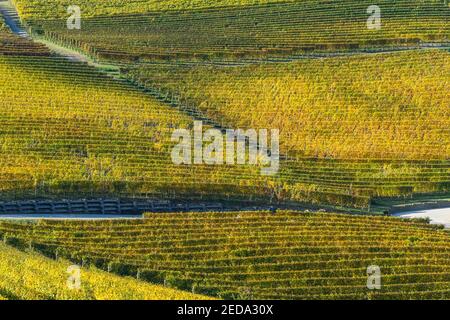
(12, 20)
(437, 216)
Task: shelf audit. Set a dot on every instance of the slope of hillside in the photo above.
(384, 106)
(76, 132)
(260, 255)
(47, 9)
(69, 130)
(3, 26)
(11, 44)
(30, 276)
(341, 147)
(133, 32)
(363, 113)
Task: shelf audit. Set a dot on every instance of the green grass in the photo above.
(242, 255)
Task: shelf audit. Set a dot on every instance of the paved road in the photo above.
(437, 216)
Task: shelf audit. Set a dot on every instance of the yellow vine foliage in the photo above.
(30, 276)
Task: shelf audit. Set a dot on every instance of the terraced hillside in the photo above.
(373, 125)
(45, 9)
(78, 132)
(69, 130)
(363, 113)
(95, 136)
(109, 139)
(201, 30)
(287, 255)
(339, 147)
(384, 106)
(30, 276)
